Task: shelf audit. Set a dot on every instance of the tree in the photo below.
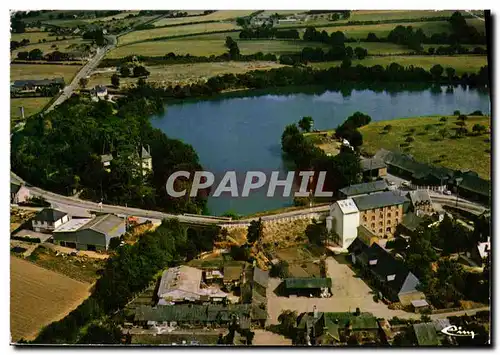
(288, 319)
(316, 233)
(306, 123)
(115, 80)
(125, 71)
(478, 128)
(346, 63)
(35, 54)
(140, 71)
(450, 73)
(255, 231)
(437, 71)
(83, 82)
(279, 269)
(240, 253)
(387, 128)
(23, 55)
(462, 118)
(361, 53)
(409, 139)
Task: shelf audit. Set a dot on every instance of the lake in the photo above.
(244, 133)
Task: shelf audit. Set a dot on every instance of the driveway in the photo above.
(348, 292)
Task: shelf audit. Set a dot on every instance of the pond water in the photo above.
(244, 133)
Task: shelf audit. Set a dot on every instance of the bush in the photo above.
(27, 239)
(279, 270)
(409, 139)
(443, 119)
(387, 127)
(456, 113)
(462, 117)
(476, 113)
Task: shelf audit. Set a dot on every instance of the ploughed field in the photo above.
(39, 297)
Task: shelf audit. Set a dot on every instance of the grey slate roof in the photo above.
(260, 276)
(42, 82)
(192, 313)
(404, 281)
(372, 163)
(475, 184)
(49, 215)
(411, 221)
(379, 200)
(419, 196)
(364, 188)
(14, 188)
(145, 154)
(308, 282)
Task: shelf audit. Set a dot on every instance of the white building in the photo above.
(49, 219)
(345, 221)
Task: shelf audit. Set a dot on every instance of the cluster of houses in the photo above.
(273, 20)
(33, 86)
(143, 156)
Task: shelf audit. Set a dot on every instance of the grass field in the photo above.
(43, 71)
(462, 64)
(380, 47)
(79, 268)
(381, 15)
(31, 106)
(382, 30)
(144, 35)
(33, 37)
(39, 297)
(66, 45)
(463, 153)
(215, 16)
(186, 73)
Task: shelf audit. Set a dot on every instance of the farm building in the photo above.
(34, 85)
(329, 328)
(473, 187)
(345, 221)
(49, 219)
(197, 315)
(99, 91)
(307, 286)
(184, 284)
(363, 189)
(373, 168)
(90, 234)
(390, 275)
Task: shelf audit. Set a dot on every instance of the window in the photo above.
(373, 218)
(391, 277)
(388, 221)
(397, 221)
(381, 215)
(373, 225)
(389, 215)
(388, 229)
(380, 230)
(380, 224)
(364, 218)
(397, 213)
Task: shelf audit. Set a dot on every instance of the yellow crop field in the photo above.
(39, 297)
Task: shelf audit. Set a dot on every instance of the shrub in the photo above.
(476, 113)
(27, 239)
(462, 117)
(443, 119)
(387, 127)
(456, 113)
(409, 139)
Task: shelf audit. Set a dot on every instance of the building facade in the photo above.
(48, 220)
(345, 221)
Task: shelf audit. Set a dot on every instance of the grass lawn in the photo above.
(462, 64)
(43, 71)
(469, 152)
(144, 35)
(216, 16)
(382, 30)
(186, 73)
(32, 105)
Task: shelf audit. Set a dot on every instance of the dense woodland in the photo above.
(61, 151)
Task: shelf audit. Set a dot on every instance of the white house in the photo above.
(345, 221)
(49, 219)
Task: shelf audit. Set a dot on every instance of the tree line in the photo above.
(267, 31)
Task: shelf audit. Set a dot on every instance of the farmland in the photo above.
(43, 71)
(462, 64)
(187, 73)
(215, 16)
(382, 15)
(468, 152)
(66, 45)
(32, 105)
(145, 35)
(39, 297)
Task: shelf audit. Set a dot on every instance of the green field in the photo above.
(43, 71)
(382, 30)
(381, 15)
(463, 153)
(275, 46)
(380, 47)
(31, 106)
(462, 64)
(144, 35)
(34, 36)
(215, 16)
(67, 45)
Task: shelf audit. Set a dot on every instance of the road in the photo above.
(470, 12)
(84, 72)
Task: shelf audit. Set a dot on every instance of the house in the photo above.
(307, 286)
(373, 168)
(49, 219)
(389, 275)
(19, 193)
(212, 277)
(410, 223)
(106, 161)
(387, 333)
(100, 91)
(420, 306)
(344, 221)
(232, 275)
(260, 281)
(356, 248)
(90, 233)
(480, 253)
(34, 85)
(184, 284)
(426, 334)
(381, 212)
(146, 160)
(331, 328)
(421, 202)
(363, 189)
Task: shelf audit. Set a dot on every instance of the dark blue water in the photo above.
(244, 133)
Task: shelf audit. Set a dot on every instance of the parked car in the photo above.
(447, 192)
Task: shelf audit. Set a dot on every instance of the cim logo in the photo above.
(455, 331)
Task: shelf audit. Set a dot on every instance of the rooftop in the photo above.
(232, 273)
(419, 197)
(426, 334)
(260, 276)
(106, 157)
(365, 188)
(49, 215)
(34, 82)
(372, 163)
(411, 221)
(106, 223)
(72, 225)
(347, 206)
(180, 283)
(308, 282)
(379, 200)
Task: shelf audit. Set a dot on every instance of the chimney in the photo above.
(315, 312)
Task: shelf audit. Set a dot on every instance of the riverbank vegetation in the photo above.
(62, 152)
(449, 141)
